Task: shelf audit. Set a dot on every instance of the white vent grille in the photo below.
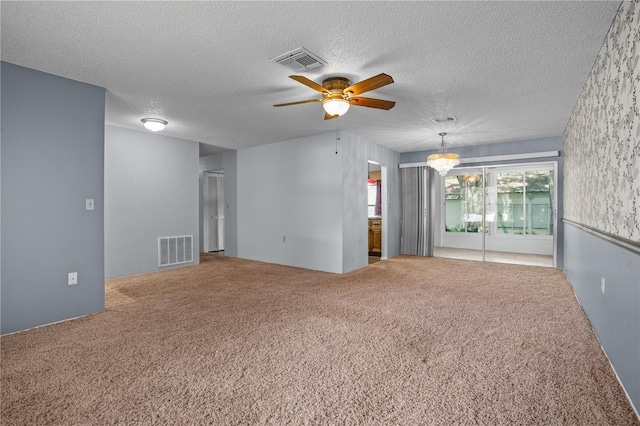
(175, 250)
(300, 60)
(444, 119)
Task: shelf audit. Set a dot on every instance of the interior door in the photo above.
(216, 212)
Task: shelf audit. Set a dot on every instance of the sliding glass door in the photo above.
(499, 213)
(464, 198)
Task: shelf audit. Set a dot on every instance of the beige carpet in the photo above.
(406, 341)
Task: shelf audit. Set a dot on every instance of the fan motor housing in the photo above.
(336, 84)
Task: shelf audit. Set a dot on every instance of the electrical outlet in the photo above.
(602, 284)
(73, 278)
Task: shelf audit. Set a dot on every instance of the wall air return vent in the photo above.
(175, 250)
(300, 60)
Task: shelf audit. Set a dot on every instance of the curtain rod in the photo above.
(508, 157)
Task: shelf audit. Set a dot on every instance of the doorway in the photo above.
(499, 213)
(214, 212)
(376, 212)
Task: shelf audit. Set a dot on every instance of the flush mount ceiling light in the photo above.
(154, 124)
(336, 107)
(443, 161)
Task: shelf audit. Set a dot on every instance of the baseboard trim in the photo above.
(51, 323)
(633, 407)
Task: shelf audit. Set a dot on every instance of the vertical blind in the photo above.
(417, 232)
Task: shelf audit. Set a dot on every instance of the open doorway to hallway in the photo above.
(374, 212)
(214, 212)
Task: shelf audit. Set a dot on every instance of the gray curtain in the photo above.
(417, 207)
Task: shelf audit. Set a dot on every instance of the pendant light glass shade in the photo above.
(443, 161)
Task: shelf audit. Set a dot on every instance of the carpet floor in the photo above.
(406, 341)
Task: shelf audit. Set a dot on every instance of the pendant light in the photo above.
(443, 161)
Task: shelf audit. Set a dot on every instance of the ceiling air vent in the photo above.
(444, 119)
(299, 60)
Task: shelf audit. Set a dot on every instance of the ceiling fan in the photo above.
(338, 94)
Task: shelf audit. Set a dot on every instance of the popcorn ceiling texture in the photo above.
(602, 138)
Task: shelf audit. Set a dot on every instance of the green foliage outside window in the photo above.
(523, 202)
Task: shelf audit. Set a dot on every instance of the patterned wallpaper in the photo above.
(602, 139)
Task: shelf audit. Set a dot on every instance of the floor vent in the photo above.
(299, 60)
(175, 250)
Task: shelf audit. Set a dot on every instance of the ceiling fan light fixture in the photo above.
(336, 107)
(443, 161)
(154, 124)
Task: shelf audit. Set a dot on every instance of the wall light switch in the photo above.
(603, 282)
(73, 278)
(89, 204)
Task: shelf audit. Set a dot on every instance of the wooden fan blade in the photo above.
(329, 117)
(299, 102)
(309, 83)
(369, 84)
(372, 103)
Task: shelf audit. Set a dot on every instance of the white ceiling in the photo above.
(507, 70)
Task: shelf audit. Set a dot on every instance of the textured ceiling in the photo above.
(507, 70)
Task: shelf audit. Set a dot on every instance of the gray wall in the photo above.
(291, 189)
(511, 148)
(356, 153)
(228, 163)
(151, 191)
(615, 314)
(52, 160)
(505, 148)
(303, 191)
(602, 193)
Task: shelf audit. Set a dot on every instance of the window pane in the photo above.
(463, 203)
(371, 194)
(539, 202)
(472, 187)
(453, 205)
(371, 199)
(510, 209)
(525, 203)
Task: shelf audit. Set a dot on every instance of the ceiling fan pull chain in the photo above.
(337, 133)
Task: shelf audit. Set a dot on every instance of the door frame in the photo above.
(485, 168)
(384, 212)
(205, 209)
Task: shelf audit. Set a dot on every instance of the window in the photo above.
(525, 202)
(463, 203)
(519, 201)
(371, 199)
